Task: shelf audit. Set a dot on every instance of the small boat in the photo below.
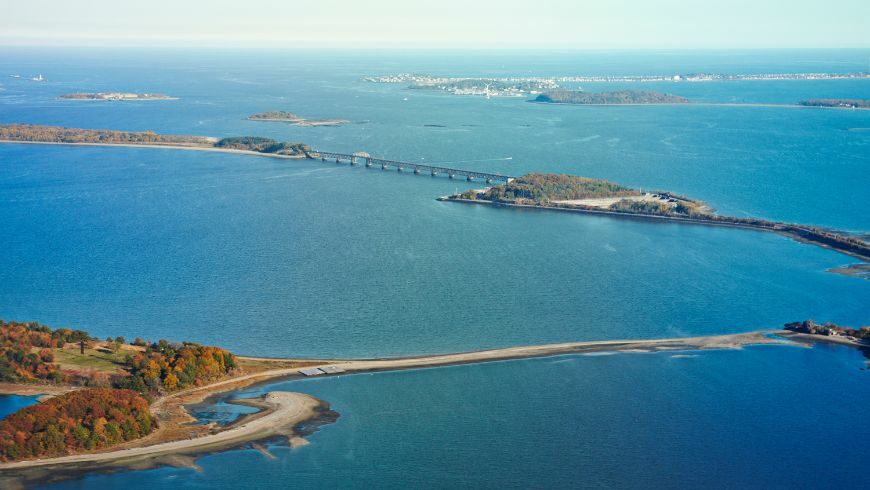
(38, 78)
(14, 76)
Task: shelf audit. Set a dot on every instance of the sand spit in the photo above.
(165, 147)
(281, 413)
(732, 341)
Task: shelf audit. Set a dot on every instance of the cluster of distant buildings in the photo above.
(521, 86)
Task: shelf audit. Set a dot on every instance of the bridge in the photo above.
(417, 168)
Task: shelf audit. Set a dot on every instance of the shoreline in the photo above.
(677, 219)
(279, 416)
(158, 146)
(708, 104)
(282, 412)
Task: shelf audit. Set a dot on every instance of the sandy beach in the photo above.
(165, 147)
(281, 411)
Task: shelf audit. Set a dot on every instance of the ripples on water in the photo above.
(274, 257)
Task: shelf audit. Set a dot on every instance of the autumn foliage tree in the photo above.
(22, 360)
(166, 366)
(79, 420)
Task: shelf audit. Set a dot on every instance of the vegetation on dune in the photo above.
(680, 207)
(848, 103)
(540, 187)
(262, 145)
(57, 134)
(617, 97)
(79, 420)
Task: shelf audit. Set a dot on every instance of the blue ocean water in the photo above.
(298, 258)
(757, 418)
(13, 403)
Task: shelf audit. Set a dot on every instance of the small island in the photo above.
(115, 96)
(292, 118)
(571, 193)
(621, 97)
(837, 103)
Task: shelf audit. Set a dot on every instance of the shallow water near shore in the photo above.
(13, 403)
(711, 419)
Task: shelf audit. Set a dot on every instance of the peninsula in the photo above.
(115, 96)
(144, 387)
(579, 194)
(291, 118)
(56, 135)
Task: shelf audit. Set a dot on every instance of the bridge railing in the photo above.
(434, 169)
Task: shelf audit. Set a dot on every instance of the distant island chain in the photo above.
(524, 86)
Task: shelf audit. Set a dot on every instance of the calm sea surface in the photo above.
(757, 418)
(277, 257)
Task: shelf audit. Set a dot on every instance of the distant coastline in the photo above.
(647, 98)
(115, 96)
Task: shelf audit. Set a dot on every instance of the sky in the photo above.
(485, 24)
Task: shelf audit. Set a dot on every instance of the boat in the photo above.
(38, 78)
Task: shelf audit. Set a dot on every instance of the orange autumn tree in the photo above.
(166, 366)
(19, 362)
(79, 420)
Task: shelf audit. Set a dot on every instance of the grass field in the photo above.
(71, 358)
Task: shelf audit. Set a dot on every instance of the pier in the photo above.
(362, 158)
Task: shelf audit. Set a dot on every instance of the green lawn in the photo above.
(92, 359)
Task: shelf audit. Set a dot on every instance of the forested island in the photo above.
(579, 194)
(115, 96)
(838, 103)
(621, 97)
(292, 118)
(112, 382)
(31, 133)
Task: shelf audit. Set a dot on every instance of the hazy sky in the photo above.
(568, 24)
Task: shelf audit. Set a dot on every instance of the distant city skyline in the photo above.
(567, 24)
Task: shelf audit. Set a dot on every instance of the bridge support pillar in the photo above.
(368, 162)
(400, 169)
(469, 178)
(383, 166)
(337, 160)
(352, 161)
(416, 171)
(322, 159)
(451, 175)
(489, 181)
(434, 173)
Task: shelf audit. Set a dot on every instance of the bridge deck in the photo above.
(435, 169)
